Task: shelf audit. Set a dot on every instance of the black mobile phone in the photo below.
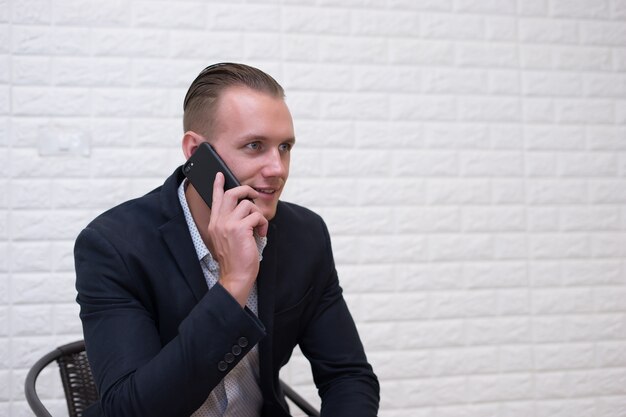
(201, 168)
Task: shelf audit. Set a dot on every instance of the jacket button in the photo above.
(243, 342)
(222, 366)
(229, 358)
(236, 350)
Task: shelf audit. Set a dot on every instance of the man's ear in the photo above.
(191, 141)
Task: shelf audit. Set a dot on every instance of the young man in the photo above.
(190, 310)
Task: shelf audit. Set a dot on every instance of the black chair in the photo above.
(80, 389)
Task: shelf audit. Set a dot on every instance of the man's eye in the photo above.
(285, 147)
(254, 146)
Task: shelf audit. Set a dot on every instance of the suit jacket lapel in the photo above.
(266, 291)
(176, 236)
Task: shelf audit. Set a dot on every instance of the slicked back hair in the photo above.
(203, 94)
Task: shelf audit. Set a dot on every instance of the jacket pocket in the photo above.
(295, 308)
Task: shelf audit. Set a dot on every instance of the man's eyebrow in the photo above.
(261, 138)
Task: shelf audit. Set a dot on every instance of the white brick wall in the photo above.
(469, 157)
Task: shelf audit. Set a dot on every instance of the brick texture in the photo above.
(469, 157)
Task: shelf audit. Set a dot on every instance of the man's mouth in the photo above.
(265, 190)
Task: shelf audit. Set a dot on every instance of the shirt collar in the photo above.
(201, 250)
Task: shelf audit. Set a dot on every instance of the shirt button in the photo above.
(242, 342)
(212, 265)
(222, 366)
(229, 358)
(236, 350)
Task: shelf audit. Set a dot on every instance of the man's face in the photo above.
(253, 133)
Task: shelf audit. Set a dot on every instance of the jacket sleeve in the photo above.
(346, 382)
(136, 375)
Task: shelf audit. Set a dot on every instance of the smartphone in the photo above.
(201, 168)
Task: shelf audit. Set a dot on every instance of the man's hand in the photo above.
(231, 232)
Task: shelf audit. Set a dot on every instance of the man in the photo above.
(190, 310)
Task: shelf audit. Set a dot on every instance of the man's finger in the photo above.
(256, 221)
(232, 197)
(218, 191)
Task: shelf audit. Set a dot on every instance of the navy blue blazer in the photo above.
(157, 338)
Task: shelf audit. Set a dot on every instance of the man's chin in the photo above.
(269, 212)
(269, 215)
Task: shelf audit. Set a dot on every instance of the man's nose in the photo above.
(275, 166)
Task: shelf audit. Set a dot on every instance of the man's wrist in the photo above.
(239, 289)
